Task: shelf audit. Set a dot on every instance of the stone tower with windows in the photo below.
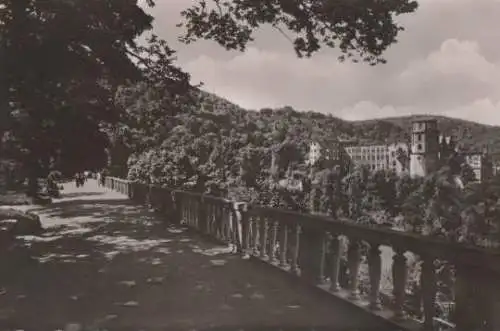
(424, 155)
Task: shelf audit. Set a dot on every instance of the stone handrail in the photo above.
(330, 254)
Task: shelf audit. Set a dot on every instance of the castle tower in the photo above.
(424, 155)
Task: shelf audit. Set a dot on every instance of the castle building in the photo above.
(424, 152)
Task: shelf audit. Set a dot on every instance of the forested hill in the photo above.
(317, 125)
(215, 138)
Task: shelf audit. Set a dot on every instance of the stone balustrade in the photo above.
(331, 254)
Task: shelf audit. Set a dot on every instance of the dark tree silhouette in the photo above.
(364, 28)
(62, 62)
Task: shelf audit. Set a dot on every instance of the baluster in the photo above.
(220, 220)
(322, 258)
(237, 225)
(428, 281)
(256, 230)
(187, 203)
(245, 231)
(283, 245)
(220, 214)
(399, 277)
(215, 227)
(208, 217)
(251, 234)
(375, 272)
(190, 211)
(274, 238)
(295, 255)
(264, 228)
(203, 216)
(216, 220)
(354, 262)
(229, 227)
(335, 246)
(196, 213)
(182, 209)
(213, 216)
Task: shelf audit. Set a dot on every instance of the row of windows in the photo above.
(369, 157)
(367, 149)
(383, 167)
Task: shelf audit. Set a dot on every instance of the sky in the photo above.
(447, 62)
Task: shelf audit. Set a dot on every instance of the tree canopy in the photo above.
(361, 29)
(62, 62)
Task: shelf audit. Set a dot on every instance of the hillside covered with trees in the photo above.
(211, 145)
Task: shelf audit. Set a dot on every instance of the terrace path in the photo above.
(107, 263)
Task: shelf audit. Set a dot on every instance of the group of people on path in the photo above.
(81, 178)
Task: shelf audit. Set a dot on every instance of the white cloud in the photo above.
(455, 57)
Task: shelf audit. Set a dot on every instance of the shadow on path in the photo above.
(104, 262)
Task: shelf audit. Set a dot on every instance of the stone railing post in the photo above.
(297, 229)
(354, 262)
(399, 278)
(243, 228)
(177, 206)
(428, 283)
(264, 229)
(202, 215)
(255, 234)
(375, 274)
(274, 242)
(283, 259)
(323, 245)
(336, 253)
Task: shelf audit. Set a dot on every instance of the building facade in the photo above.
(381, 157)
(424, 149)
(481, 165)
(331, 152)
